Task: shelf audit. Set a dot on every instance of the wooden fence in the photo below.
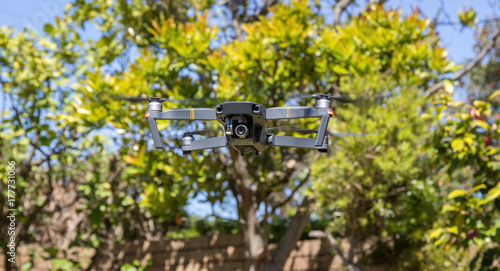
(219, 253)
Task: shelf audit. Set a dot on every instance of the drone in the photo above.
(245, 124)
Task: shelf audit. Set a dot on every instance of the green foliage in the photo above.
(467, 143)
(484, 79)
(467, 17)
(382, 186)
(419, 193)
(136, 265)
(62, 265)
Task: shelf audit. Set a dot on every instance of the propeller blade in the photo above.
(340, 98)
(343, 99)
(292, 129)
(194, 101)
(349, 134)
(137, 99)
(178, 136)
(202, 132)
(313, 131)
(186, 101)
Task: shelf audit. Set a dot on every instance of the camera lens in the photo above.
(241, 131)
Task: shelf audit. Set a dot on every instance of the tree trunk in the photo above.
(292, 235)
(257, 255)
(248, 208)
(8, 265)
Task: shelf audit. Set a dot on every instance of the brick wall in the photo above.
(218, 253)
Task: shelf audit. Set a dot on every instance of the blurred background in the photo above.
(422, 194)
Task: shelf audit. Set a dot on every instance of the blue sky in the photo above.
(459, 43)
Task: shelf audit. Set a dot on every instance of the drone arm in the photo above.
(154, 132)
(188, 114)
(297, 142)
(206, 143)
(323, 125)
(294, 112)
(304, 112)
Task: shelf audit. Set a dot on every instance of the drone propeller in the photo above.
(185, 101)
(201, 132)
(343, 98)
(313, 131)
(175, 138)
(338, 98)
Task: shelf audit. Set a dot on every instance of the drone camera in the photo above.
(219, 109)
(241, 131)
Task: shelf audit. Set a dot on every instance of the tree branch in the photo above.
(372, 2)
(291, 195)
(263, 11)
(248, 206)
(333, 243)
(459, 74)
(292, 235)
(267, 5)
(338, 9)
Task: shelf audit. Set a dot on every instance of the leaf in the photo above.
(448, 86)
(155, 25)
(24, 141)
(128, 267)
(45, 141)
(27, 266)
(453, 229)
(435, 233)
(495, 94)
(467, 17)
(448, 208)
(481, 124)
(83, 111)
(131, 160)
(62, 264)
(479, 104)
(468, 140)
(440, 240)
(457, 144)
(48, 28)
(478, 187)
(96, 216)
(456, 193)
(493, 194)
(339, 69)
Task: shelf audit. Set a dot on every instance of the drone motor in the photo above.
(155, 106)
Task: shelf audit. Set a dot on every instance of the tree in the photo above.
(62, 88)
(483, 79)
(467, 144)
(103, 187)
(379, 190)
